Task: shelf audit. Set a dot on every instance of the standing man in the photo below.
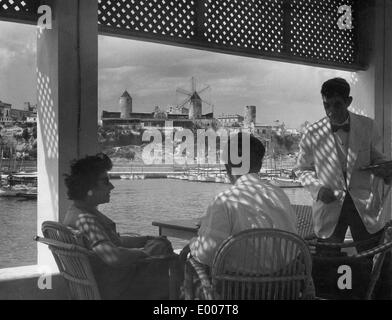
(332, 152)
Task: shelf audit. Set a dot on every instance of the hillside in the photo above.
(19, 141)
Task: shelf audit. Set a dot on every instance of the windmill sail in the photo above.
(194, 99)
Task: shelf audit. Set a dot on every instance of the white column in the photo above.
(383, 79)
(67, 72)
(372, 88)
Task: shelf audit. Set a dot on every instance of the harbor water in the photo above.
(134, 205)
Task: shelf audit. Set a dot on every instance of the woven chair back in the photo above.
(262, 264)
(74, 264)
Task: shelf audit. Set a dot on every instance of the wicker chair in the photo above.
(370, 261)
(241, 270)
(367, 264)
(72, 259)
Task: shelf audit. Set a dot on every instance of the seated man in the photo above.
(249, 203)
(118, 268)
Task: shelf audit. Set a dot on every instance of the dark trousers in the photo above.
(349, 217)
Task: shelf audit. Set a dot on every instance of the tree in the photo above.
(26, 135)
(159, 114)
(285, 144)
(33, 152)
(130, 155)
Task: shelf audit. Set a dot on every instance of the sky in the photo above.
(152, 72)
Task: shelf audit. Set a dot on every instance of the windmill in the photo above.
(194, 100)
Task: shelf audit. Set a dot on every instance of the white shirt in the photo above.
(249, 203)
(341, 142)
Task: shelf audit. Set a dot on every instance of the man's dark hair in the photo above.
(85, 174)
(336, 86)
(256, 152)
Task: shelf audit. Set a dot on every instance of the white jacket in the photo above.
(318, 165)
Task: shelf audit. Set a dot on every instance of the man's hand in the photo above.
(158, 246)
(326, 195)
(382, 172)
(388, 180)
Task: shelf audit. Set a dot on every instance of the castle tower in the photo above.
(249, 116)
(125, 104)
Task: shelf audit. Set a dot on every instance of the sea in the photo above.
(133, 206)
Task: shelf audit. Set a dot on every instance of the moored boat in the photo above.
(285, 182)
(28, 195)
(15, 191)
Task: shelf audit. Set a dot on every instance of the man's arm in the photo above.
(377, 156)
(118, 256)
(101, 244)
(214, 229)
(134, 242)
(305, 169)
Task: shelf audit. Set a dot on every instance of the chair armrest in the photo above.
(184, 254)
(316, 243)
(63, 245)
(350, 244)
(365, 254)
(371, 252)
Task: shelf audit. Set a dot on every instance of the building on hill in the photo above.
(177, 110)
(156, 119)
(5, 112)
(30, 107)
(23, 116)
(266, 130)
(230, 120)
(9, 115)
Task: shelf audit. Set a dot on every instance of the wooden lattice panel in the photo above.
(18, 6)
(166, 17)
(289, 30)
(315, 34)
(250, 24)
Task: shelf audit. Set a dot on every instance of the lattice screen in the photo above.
(24, 8)
(315, 32)
(305, 30)
(247, 23)
(174, 18)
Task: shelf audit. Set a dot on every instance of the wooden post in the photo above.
(67, 74)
